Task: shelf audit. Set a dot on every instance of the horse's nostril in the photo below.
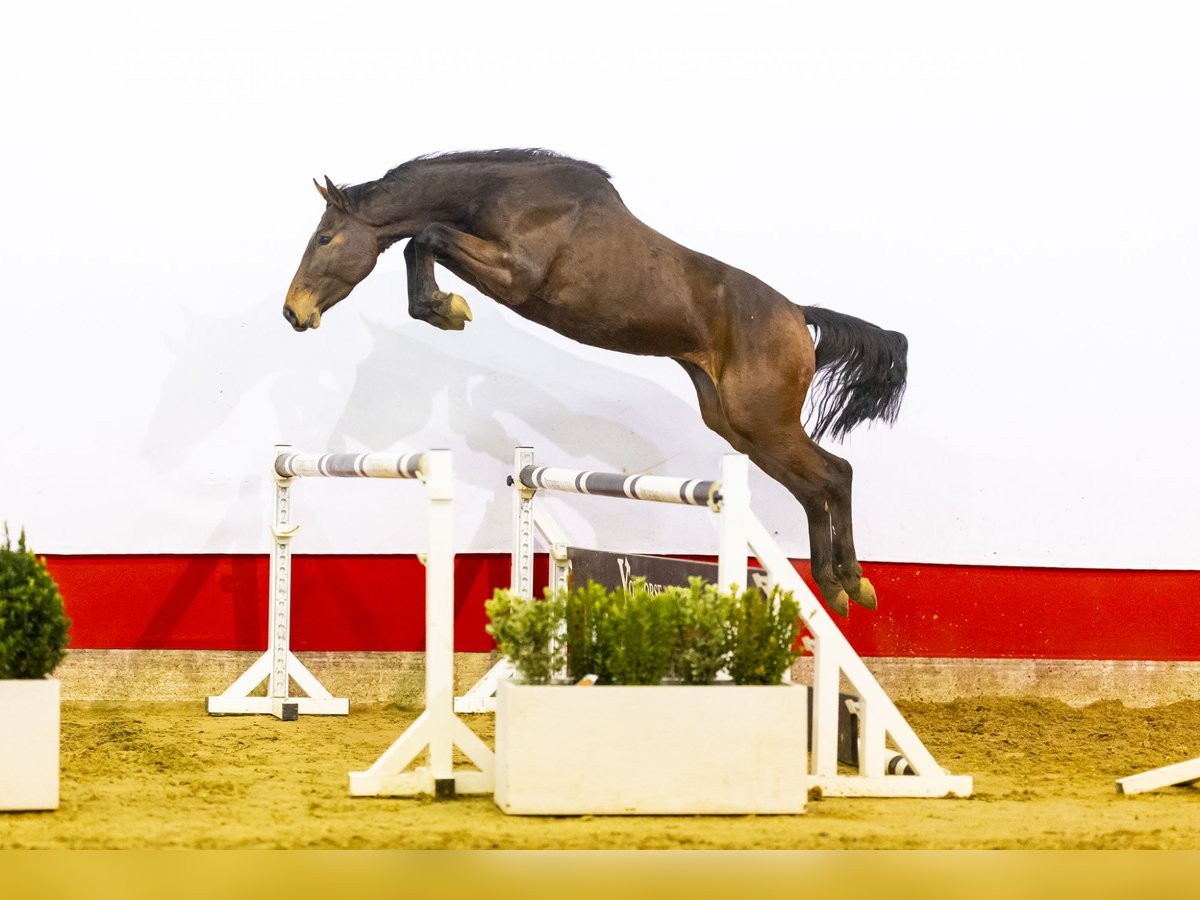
(290, 315)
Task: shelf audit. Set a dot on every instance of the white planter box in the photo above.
(659, 750)
(29, 732)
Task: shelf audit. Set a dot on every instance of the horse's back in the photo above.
(599, 275)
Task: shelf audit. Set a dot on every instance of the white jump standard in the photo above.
(278, 664)
(437, 729)
(740, 533)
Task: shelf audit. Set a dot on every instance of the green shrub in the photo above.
(703, 642)
(584, 606)
(762, 630)
(637, 636)
(527, 632)
(33, 626)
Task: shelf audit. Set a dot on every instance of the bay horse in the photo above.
(549, 237)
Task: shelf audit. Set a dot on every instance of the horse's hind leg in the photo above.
(821, 481)
(801, 467)
(485, 264)
(841, 527)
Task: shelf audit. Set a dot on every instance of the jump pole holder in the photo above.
(740, 533)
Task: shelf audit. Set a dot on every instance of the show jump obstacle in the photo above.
(437, 728)
(278, 664)
(739, 529)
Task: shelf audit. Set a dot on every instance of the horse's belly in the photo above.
(624, 332)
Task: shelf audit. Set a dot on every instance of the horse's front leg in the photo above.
(426, 301)
(484, 263)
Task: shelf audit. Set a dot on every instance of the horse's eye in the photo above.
(324, 239)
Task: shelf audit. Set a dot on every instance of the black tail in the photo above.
(861, 373)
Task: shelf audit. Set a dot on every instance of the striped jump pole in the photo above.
(688, 491)
(346, 465)
(728, 496)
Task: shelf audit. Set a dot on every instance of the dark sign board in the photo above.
(617, 570)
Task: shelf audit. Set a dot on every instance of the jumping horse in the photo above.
(549, 237)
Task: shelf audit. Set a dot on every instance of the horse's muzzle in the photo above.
(294, 320)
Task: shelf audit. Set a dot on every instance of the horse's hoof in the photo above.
(451, 310)
(839, 603)
(865, 595)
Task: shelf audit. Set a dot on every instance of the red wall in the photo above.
(343, 602)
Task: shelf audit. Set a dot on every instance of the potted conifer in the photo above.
(641, 723)
(33, 640)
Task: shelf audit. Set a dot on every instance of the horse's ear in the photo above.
(337, 197)
(334, 195)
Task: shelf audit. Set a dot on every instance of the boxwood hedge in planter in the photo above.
(33, 641)
(33, 626)
(643, 636)
(526, 631)
(658, 738)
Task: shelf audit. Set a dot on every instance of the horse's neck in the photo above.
(434, 194)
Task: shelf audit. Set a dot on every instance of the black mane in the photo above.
(521, 155)
(361, 192)
(534, 155)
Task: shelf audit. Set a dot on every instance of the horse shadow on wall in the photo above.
(508, 387)
(398, 383)
(219, 361)
(499, 386)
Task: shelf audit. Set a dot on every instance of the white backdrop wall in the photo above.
(1013, 185)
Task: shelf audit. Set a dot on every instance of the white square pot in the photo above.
(658, 750)
(29, 741)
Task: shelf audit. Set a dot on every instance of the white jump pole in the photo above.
(1182, 773)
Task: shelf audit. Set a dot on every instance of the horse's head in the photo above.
(340, 254)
